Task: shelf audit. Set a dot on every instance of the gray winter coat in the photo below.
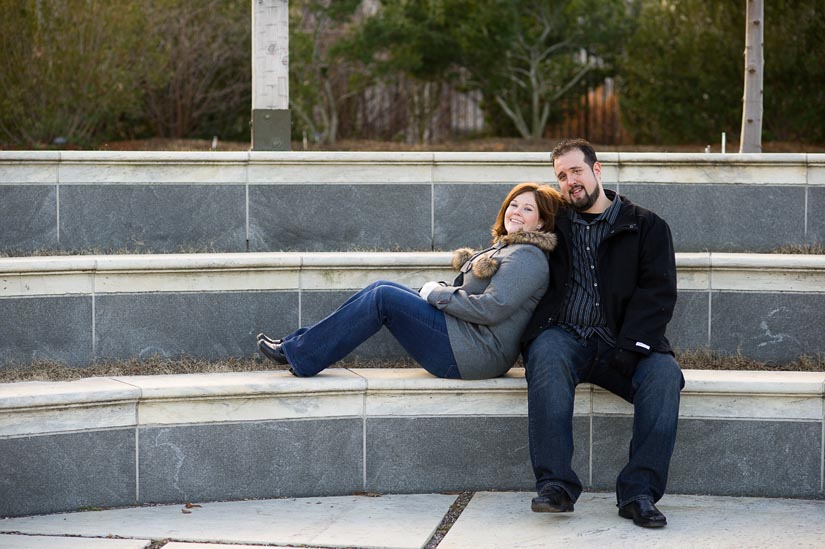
(487, 313)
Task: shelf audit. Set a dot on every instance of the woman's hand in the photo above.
(427, 288)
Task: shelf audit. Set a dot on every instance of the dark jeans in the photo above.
(556, 362)
(418, 326)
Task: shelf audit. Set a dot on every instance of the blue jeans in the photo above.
(556, 362)
(418, 326)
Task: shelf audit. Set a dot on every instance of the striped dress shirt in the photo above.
(583, 314)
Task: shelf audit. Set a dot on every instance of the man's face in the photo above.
(579, 183)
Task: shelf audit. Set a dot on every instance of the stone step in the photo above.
(345, 201)
(80, 309)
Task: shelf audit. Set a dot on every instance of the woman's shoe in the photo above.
(272, 351)
(263, 337)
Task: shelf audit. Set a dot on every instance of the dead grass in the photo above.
(698, 359)
(45, 370)
(706, 359)
(802, 249)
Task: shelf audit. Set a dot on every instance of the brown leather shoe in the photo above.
(553, 499)
(644, 514)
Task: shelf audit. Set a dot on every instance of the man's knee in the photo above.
(662, 370)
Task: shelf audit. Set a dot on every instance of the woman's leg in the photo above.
(419, 327)
(353, 297)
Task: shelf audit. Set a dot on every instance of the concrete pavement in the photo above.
(490, 520)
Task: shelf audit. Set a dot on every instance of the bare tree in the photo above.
(202, 65)
(751, 138)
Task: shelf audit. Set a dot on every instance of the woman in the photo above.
(467, 330)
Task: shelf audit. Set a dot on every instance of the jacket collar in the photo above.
(543, 241)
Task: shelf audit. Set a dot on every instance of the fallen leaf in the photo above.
(185, 512)
(192, 505)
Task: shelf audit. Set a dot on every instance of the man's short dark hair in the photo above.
(567, 145)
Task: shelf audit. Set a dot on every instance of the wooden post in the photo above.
(750, 140)
(270, 75)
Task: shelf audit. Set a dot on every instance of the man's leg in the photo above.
(656, 386)
(554, 362)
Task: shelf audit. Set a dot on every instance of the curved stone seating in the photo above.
(80, 309)
(127, 440)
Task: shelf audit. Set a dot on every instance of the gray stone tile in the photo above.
(46, 328)
(724, 457)
(688, 329)
(318, 218)
(315, 306)
(153, 218)
(726, 218)
(202, 325)
(496, 520)
(465, 213)
(250, 460)
(816, 221)
(63, 472)
(57, 542)
(400, 522)
(769, 327)
(742, 458)
(28, 217)
(463, 453)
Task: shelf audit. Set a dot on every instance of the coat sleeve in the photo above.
(652, 303)
(521, 274)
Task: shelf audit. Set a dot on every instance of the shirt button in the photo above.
(588, 248)
(597, 304)
(592, 267)
(595, 284)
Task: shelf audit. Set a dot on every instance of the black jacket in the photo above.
(636, 274)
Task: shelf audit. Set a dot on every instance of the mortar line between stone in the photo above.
(94, 314)
(822, 448)
(364, 442)
(432, 212)
(57, 208)
(300, 292)
(805, 216)
(137, 456)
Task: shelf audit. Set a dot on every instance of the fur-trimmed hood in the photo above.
(485, 266)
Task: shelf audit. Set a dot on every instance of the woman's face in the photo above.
(522, 214)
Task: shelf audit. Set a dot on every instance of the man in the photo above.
(612, 292)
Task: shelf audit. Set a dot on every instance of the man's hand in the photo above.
(625, 362)
(427, 288)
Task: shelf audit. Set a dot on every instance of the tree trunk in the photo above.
(751, 139)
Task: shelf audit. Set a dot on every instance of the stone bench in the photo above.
(147, 439)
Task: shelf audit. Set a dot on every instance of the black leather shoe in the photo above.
(644, 514)
(272, 351)
(263, 337)
(552, 500)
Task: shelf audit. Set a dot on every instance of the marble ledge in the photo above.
(321, 260)
(86, 391)
(385, 391)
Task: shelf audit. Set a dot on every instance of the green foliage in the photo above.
(523, 55)
(68, 69)
(794, 98)
(682, 77)
(321, 77)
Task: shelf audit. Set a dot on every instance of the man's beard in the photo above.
(585, 202)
